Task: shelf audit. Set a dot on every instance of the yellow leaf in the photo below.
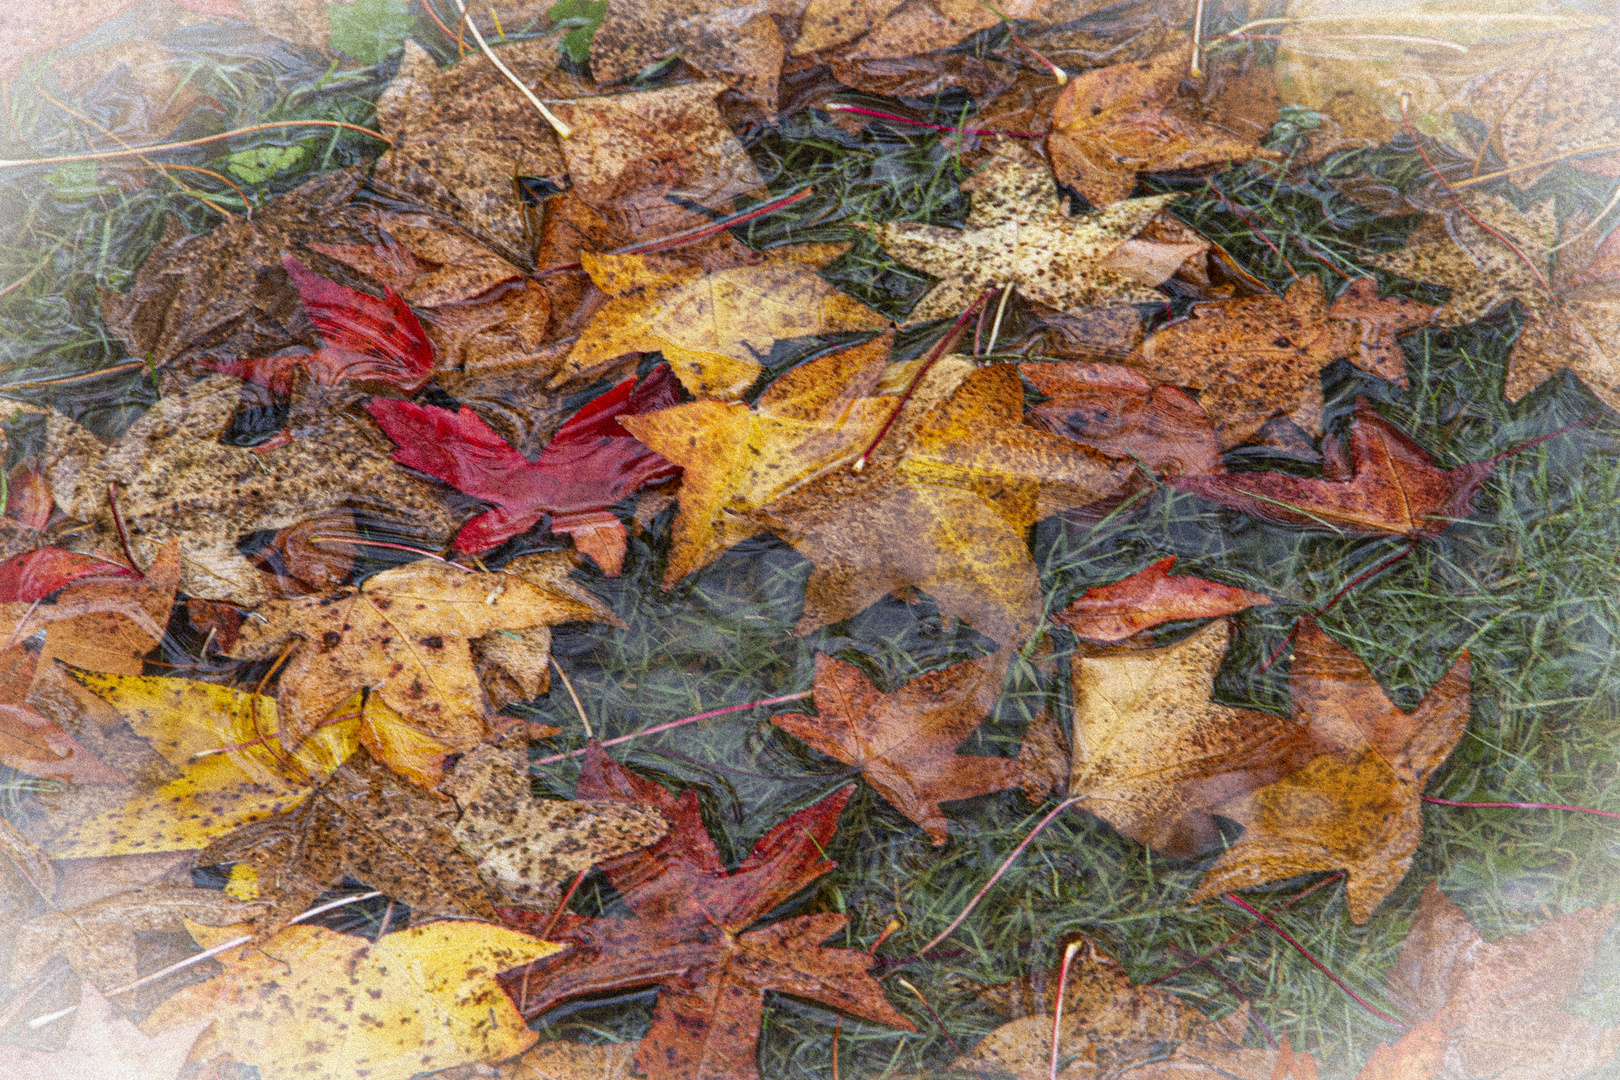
(315, 1004)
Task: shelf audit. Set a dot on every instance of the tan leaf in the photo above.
(102, 1045)
(1119, 412)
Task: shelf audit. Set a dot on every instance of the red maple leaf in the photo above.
(1151, 597)
(690, 935)
(34, 575)
(366, 339)
(590, 464)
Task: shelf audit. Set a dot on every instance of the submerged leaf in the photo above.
(102, 1045)
(1149, 597)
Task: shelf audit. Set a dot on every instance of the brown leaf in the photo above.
(1355, 805)
(905, 742)
(1119, 412)
(27, 878)
(1017, 232)
(1111, 123)
(1387, 485)
(1499, 1006)
(897, 28)
(99, 939)
(1259, 357)
(737, 43)
(1149, 597)
(102, 1045)
(1154, 756)
(1580, 327)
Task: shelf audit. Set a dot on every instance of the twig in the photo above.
(1522, 806)
(678, 723)
(1195, 69)
(137, 151)
(433, 13)
(1246, 931)
(578, 707)
(562, 906)
(1001, 309)
(1357, 580)
(123, 533)
(391, 546)
(59, 380)
(932, 1015)
(1063, 972)
(1232, 988)
(563, 131)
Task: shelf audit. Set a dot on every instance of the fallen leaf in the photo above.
(227, 766)
(1499, 1005)
(367, 340)
(556, 1060)
(1580, 328)
(812, 418)
(1385, 484)
(737, 43)
(589, 465)
(405, 635)
(314, 1004)
(99, 939)
(34, 575)
(28, 496)
(27, 878)
(1111, 123)
(224, 294)
(690, 935)
(1260, 357)
(34, 746)
(1017, 232)
(1112, 613)
(711, 327)
(102, 1045)
(896, 28)
(905, 742)
(177, 481)
(1355, 805)
(1154, 756)
(1121, 413)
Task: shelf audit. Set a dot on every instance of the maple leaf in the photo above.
(738, 44)
(1496, 1008)
(590, 464)
(1388, 485)
(1113, 122)
(367, 340)
(1154, 756)
(711, 326)
(895, 28)
(812, 418)
(34, 575)
(1580, 327)
(1118, 411)
(406, 635)
(102, 1045)
(905, 742)
(1259, 357)
(314, 1004)
(1149, 597)
(1355, 805)
(690, 935)
(1016, 231)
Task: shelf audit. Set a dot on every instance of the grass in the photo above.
(1529, 584)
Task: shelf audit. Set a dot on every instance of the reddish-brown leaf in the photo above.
(34, 575)
(904, 742)
(1150, 597)
(1385, 485)
(28, 497)
(1122, 413)
(690, 936)
(590, 464)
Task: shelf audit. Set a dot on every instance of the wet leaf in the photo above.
(103, 1045)
(1355, 805)
(34, 575)
(1384, 484)
(1580, 328)
(1497, 1008)
(737, 43)
(1112, 613)
(905, 742)
(894, 28)
(405, 635)
(176, 480)
(1017, 232)
(690, 935)
(590, 464)
(1119, 412)
(711, 327)
(315, 1004)
(1260, 357)
(1114, 122)
(34, 746)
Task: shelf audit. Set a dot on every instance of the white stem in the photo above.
(562, 129)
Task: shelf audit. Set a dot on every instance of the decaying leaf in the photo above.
(1112, 613)
(1259, 357)
(405, 634)
(177, 481)
(27, 878)
(589, 464)
(1355, 805)
(1154, 756)
(421, 999)
(98, 939)
(691, 935)
(905, 742)
(34, 575)
(1497, 1008)
(103, 1045)
(29, 742)
(1385, 484)
(1017, 232)
(894, 28)
(1120, 412)
(1113, 122)
(1580, 328)
(737, 43)
(712, 326)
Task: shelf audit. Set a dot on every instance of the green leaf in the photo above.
(580, 18)
(370, 30)
(75, 180)
(260, 163)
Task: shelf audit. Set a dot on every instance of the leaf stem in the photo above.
(800, 696)
(563, 130)
(137, 151)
